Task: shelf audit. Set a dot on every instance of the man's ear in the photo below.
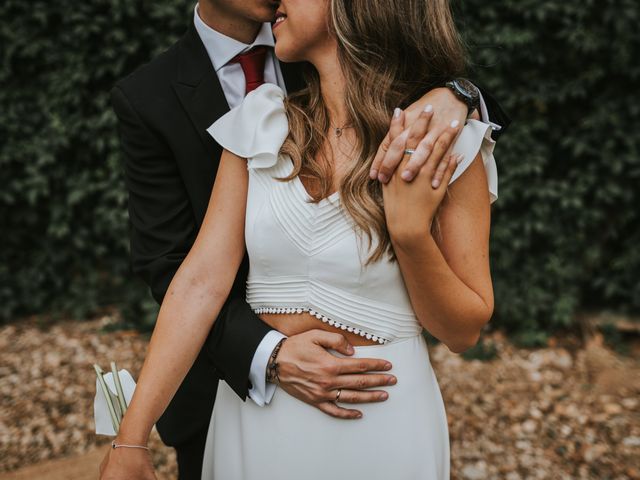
(475, 115)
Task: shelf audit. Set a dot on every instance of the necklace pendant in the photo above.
(338, 132)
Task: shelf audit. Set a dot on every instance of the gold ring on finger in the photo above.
(338, 395)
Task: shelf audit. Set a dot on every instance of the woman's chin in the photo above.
(287, 55)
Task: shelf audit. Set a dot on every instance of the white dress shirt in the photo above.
(221, 49)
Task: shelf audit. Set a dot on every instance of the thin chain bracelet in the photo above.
(115, 445)
(273, 366)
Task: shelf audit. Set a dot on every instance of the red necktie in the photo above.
(252, 63)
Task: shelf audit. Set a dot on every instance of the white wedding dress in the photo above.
(309, 257)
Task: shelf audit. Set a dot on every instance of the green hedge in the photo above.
(566, 225)
(63, 201)
(564, 228)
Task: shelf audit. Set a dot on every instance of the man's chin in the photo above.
(268, 15)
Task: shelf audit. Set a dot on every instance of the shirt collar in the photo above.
(222, 48)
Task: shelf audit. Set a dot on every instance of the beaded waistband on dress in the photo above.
(324, 318)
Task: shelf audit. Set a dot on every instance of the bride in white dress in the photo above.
(331, 248)
(308, 264)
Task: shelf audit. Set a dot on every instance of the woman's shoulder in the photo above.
(256, 128)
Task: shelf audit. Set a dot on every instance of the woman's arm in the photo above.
(194, 298)
(447, 275)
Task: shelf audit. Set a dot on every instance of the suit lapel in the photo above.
(198, 88)
(200, 93)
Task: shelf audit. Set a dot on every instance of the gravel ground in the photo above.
(569, 412)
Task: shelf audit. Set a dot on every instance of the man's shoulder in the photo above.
(152, 77)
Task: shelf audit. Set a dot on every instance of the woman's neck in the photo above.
(332, 87)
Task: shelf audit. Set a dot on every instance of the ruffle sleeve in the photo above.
(476, 137)
(255, 129)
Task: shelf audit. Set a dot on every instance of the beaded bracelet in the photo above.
(273, 366)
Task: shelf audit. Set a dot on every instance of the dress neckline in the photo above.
(335, 196)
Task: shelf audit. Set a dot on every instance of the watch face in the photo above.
(467, 88)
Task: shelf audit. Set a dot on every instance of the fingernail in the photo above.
(387, 366)
(373, 174)
(383, 396)
(428, 108)
(392, 381)
(350, 349)
(459, 158)
(455, 124)
(383, 178)
(406, 175)
(435, 183)
(397, 112)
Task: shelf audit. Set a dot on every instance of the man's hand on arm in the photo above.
(310, 373)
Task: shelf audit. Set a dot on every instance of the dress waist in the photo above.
(369, 318)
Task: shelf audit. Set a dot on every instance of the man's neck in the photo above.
(239, 28)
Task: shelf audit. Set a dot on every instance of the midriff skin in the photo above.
(294, 323)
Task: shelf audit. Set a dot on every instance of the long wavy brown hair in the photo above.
(391, 53)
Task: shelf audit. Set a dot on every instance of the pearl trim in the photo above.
(324, 319)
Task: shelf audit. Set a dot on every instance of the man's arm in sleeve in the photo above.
(239, 346)
(163, 230)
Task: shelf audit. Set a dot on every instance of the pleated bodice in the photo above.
(310, 257)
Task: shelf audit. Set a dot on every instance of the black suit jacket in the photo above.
(171, 161)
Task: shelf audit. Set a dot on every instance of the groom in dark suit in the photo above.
(163, 110)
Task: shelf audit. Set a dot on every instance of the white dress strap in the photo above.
(255, 129)
(476, 137)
